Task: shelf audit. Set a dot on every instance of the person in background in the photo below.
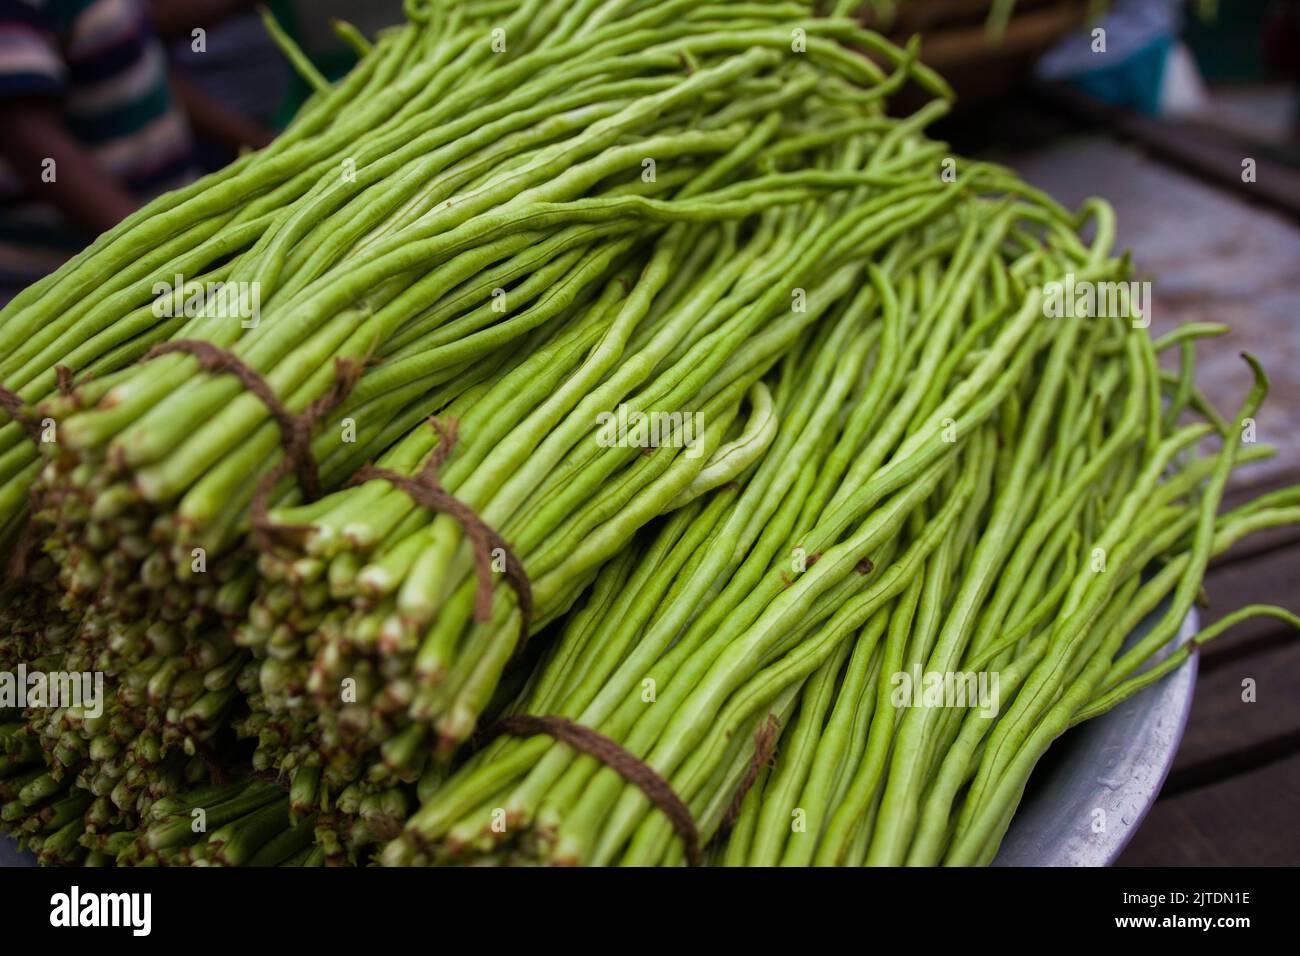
(237, 65)
(95, 124)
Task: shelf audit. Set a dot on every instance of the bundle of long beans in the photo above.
(389, 255)
(1008, 486)
(673, 329)
(524, 219)
(92, 784)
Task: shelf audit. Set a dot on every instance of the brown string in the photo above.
(28, 544)
(295, 430)
(298, 456)
(213, 358)
(623, 762)
(27, 547)
(426, 491)
(764, 749)
(66, 381)
(13, 403)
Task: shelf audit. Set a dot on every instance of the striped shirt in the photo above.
(104, 65)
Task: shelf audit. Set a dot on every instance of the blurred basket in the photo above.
(964, 41)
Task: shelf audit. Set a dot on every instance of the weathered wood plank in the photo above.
(1270, 577)
(1225, 727)
(1265, 542)
(1212, 257)
(1248, 820)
